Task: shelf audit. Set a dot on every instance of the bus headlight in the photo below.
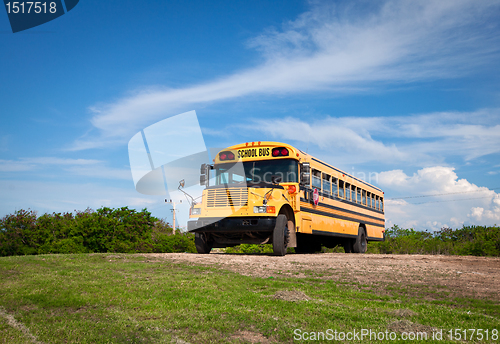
(264, 209)
(195, 211)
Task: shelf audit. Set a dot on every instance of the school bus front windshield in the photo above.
(256, 172)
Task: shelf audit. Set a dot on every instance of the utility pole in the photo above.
(173, 210)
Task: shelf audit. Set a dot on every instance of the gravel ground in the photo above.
(460, 276)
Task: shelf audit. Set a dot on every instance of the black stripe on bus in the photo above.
(340, 217)
(335, 234)
(342, 235)
(342, 209)
(321, 193)
(359, 180)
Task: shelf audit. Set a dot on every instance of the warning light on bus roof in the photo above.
(280, 151)
(226, 155)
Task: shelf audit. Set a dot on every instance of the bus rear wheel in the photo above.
(203, 245)
(361, 242)
(280, 235)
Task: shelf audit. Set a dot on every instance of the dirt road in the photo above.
(456, 276)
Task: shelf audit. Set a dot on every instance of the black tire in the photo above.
(348, 245)
(361, 242)
(280, 235)
(203, 245)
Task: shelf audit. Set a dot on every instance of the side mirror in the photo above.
(204, 170)
(305, 173)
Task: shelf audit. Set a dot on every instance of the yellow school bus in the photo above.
(273, 193)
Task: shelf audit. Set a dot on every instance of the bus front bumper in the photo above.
(233, 224)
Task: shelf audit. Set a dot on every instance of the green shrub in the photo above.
(479, 241)
(119, 230)
(18, 233)
(469, 240)
(64, 246)
(250, 248)
(254, 248)
(179, 242)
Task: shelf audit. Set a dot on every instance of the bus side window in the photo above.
(381, 204)
(353, 193)
(348, 191)
(326, 184)
(316, 179)
(363, 193)
(376, 203)
(335, 187)
(341, 189)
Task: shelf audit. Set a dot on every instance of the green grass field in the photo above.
(122, 298)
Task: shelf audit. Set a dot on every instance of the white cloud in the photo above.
(101, 172)
(339, 48)
(81, 167)
(14, 166)
(428, 138)
(428, 180)
(59, 161)
(28, 164)
(344, 134)
(455, 201)
(493, 214)
(61, 197)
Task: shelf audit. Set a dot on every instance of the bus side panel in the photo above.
(332, 225)
(374, 231)
(329, 224)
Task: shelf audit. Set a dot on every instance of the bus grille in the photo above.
(230, 197)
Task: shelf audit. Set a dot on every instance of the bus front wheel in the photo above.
(202, 243)
(280, 235)
(360, 243)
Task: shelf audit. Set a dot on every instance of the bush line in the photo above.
(125, 230)
(467, 241)
(121, 230)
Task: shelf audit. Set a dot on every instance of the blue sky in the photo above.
(405, 92)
